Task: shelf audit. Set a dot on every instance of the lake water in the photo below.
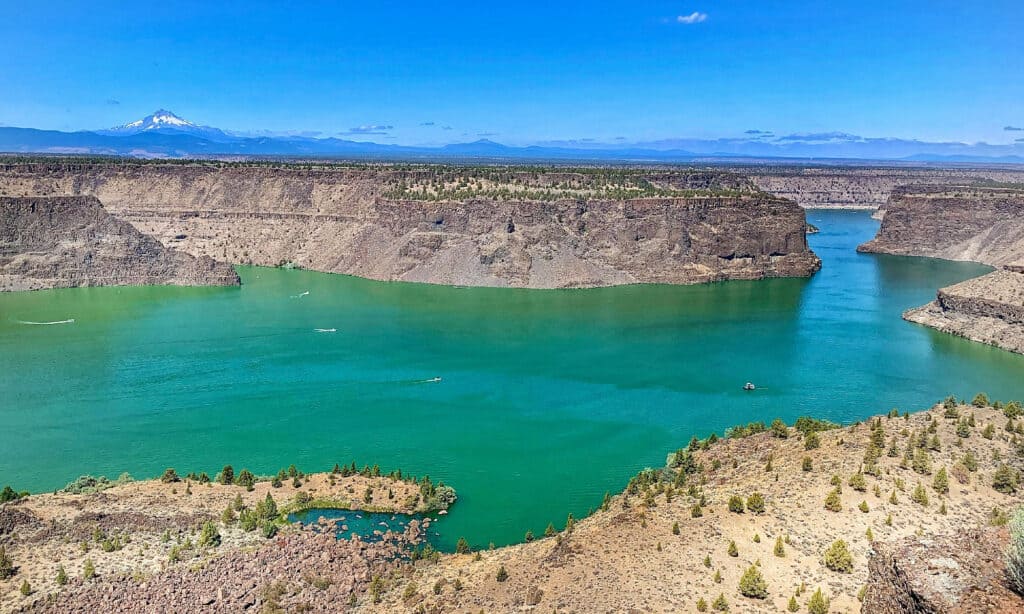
(546, 400)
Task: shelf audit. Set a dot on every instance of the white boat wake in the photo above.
(432, 380)
(71, 321)
(326, 330)
(306, 293)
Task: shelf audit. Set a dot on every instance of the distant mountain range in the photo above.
(164, 134)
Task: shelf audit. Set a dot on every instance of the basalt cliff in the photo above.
(480, 226)
(63, 242)
(982, 223)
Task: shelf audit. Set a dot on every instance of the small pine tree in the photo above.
(755, 503)
(88, 570)
(696, 511)
(752, 584)
(869, 534)
(720, 604)
(838, 558)
(1004, 479)
(818, 604)
(780, 549)
(941, 481)
(920, 496)
(733, 550)
(707, 561)
(675, 528)
(736, 504)
(502, 574)
(529, 535)
(62, 576)
(793, 606)
(832, 502)
(864, 507)
(26, 588)
(462, 546)
(812, 441)
(702, 606)
(717, 577)
(6, 564)
(857, 482)
(209, 537)
(806, 464)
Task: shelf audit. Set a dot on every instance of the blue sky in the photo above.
(523, 72)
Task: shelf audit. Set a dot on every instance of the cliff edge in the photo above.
(528, 227)
(64, 242)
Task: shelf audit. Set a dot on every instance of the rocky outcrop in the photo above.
(959, 573)
(988, 309)
(979, 223)
(520, 228)
(62, 242)
(852, 187)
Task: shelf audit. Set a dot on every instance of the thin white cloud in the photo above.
(692, 18)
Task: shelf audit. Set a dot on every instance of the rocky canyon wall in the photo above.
(527, 228)
(62, 242)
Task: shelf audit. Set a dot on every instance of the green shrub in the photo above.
(818, 604)
(980, 400)
(269, 529)
(6, 564)
(675, 528)
(88, 570)
(779, 429)
(1015, 552)
(755, 503)
(857, 482)
(246, 479)
(702, 606)
(733, 550)
(550, 530)
(696, 511)
(8, 494)
(838, 558)
(780, 549)
(752, 584)
(806, 464)
(1004, 479)
(941, 481)
(919, 496)
(720, 604)
(832, 502)
(812, 441)
(736, 504)
(989, 431)
(26, 588)
(864, 507)
(1013, 409)
(169, 476)
(62, 576)
(793, 606)
(502, 574)
(462, 546)
(227, 475)
(209, 537)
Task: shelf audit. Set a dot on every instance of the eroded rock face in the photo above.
(988, 309)
(348, 220)
(960, 573)
(978, 223)
(63, 242)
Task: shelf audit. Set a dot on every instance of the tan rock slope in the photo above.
(62, 242)
(481, 226)
(917, 500)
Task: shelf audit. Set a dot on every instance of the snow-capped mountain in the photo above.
(163, 120)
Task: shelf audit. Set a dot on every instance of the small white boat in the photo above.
(748, 386)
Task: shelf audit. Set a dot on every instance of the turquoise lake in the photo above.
(546, 400)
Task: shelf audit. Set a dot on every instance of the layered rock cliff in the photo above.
(988, 309)
(61, 242)
(967, 222)
(851, 187)
(527, 227)
(983, 223)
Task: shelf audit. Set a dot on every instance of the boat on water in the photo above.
(748, 386)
